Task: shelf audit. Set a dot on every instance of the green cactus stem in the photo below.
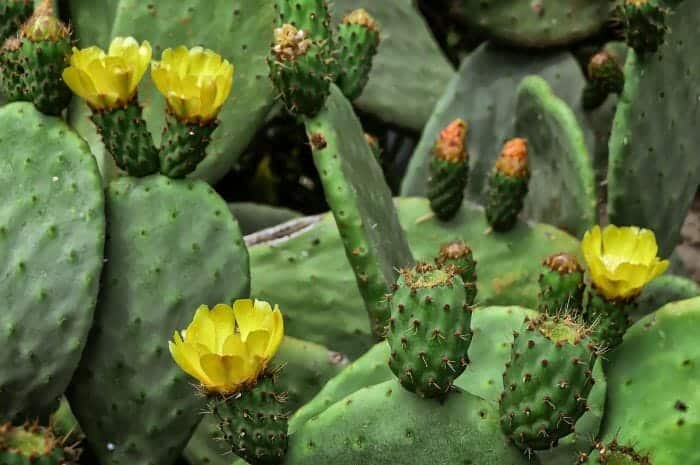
(449, 170)
(12, 14)
(429, 331)
(613, 453)
(508, 186)
(644, 23)
(459, 255)
(128, 140)
(32, 63)
(31, 444)
(605, 77)
(546, 382)
(561, 285)
(611, 318)
(184, 146)
(254, 422)
(357, 42)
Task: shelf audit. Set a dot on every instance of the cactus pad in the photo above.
(172, 246)
(12, 14)
(361, 203)
(356, 42)
(31, 444)
(652, 395)
(654, 170)
(52, 230)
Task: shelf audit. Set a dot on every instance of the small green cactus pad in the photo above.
(385, 424)
(253, 424)
(546, 382)
(184, 146)
(361, 203)
(310, 16)
(52, 232)
(654, 169)
(561, 285)
(31, 444)
(663, 290)
(173, 245)
(253, 217)
(216, 24)
(308, 367)
(461, 256)
(484, 94)
(429, 331)
(508, 266)
(538, 23)
(12, 14)
(652, 386)
(407, 49)
(562, 184)
(127, 139)
(356, 42)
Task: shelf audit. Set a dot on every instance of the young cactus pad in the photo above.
(159, 268)
(356, 41)
(508, 185)
(429, 331)
(449, 170)
(460, 255)
(546, 382)
(52, 236)
(561, 285)
(361, 202)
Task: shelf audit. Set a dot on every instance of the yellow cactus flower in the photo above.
(621, 260)
(227, 348)
(195, 82)
(108, 80)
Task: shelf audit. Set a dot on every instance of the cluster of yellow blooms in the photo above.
(195, 82)
(227, 348)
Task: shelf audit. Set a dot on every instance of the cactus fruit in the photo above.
(459, 255)
(35, 60)
(254, 422)
(127, 139)
(429, 331)
(644, 23)
(613, 453)
(561, 285)
(184, 146)
(449, 170)
(12, 14)
(31, 444)
(508, 185)
(546, 382)
(357, 41)
(301, 65)
(605, 77)
(611, 317)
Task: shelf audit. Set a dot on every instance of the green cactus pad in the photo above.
(561, 285)
(127, 139)
(654, 170)
(562, 184)
(429, 331)
(253, 217)
(308, 367)
(254, 423)
(172, 246)
(652, 392)
(484, 94)
(546, 382)
(238, 29)
(12, 14)
(332, 315)
(52, 232)
(356, 44)
(361, 202)
(538, 23)
(34, 445)
(460, 430)
(407, 49)
(663, 290)
(184, 147)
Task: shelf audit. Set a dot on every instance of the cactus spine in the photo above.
(357, 42)
(429, 331)
(449, 170)
(508, 185)
(546, 382)
(561, 285)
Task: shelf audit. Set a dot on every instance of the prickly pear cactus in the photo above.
(217, 24)
(35, 445)
(52, 234)
(562, 185)
(655, 121)
(561, 285)
(361, 202)
(12, 14)
(648, 413)
(539, 23)
(172, 246)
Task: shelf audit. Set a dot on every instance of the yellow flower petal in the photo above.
(258, 342)
(213, 366)
(224, 324)
(202, 330)
(187, 357)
